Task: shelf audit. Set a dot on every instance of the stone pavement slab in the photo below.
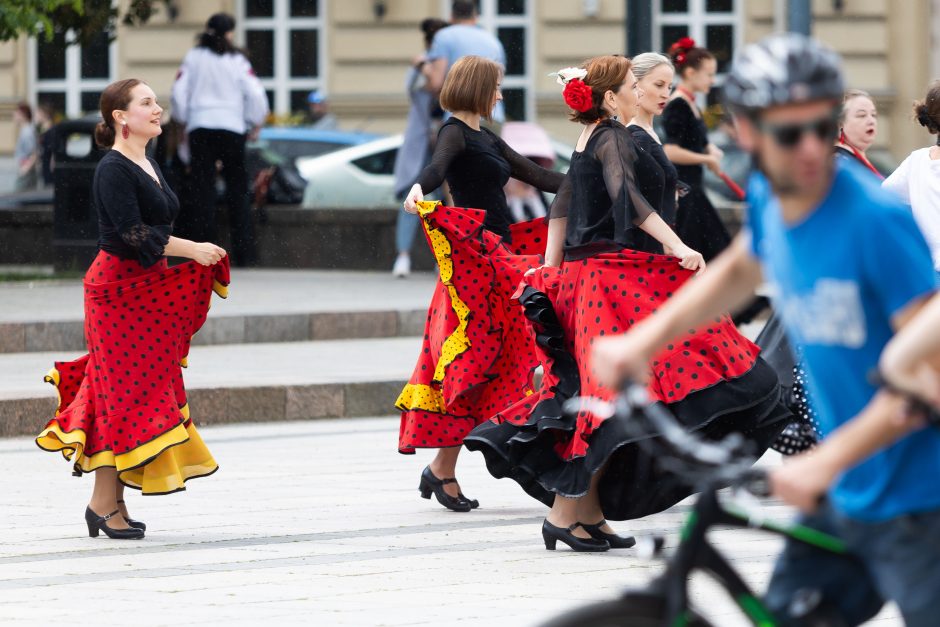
(316, 523)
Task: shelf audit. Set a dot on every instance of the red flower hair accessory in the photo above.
(686, 43)
(578, 95)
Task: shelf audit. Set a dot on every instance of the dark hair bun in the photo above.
(923, 117)
(104, 135)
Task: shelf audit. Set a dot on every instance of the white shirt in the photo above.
(218, 91)
(917, 182)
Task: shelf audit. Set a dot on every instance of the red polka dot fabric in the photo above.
(128, 390)
(497, 366)
(606, 295)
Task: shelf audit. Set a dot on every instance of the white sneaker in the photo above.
(402, 267)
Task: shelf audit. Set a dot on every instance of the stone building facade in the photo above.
(356, 51)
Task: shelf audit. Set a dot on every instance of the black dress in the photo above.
(697, 222)
(477, 165)
(657, 180)
(711, 378)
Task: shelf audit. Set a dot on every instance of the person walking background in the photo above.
(25, 151)
(688, 147)
(416, 147)
(462, 38)
(220, 100)
(122, 410)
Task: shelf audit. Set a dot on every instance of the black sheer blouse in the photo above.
(686, 131)
(600, 197)
(659, 181)
(135, 214)
(476, 166)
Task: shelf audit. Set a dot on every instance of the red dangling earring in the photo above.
(124, 132)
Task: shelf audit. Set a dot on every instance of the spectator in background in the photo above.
(858, 121)
(424, 117)
(318, 112)
(45, 120)
(532, 142)
(463, 37)
(25, 150)
(221, 102)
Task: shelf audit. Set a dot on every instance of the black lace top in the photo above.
(476, 165)
(600, 197)
(686, 131)
(135, 214)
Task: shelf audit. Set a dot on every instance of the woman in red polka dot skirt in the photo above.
(477, 355)
(122, 410)
(586, 468)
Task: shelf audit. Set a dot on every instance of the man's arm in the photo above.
(728, 283)
(435, 71)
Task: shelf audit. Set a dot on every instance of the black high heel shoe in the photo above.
(98, 523)
(552, 534)
(136, 524)
(615, 541)
(429, 483)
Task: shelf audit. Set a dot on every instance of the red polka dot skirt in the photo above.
(478, 356)
(123, 404)
(711, 378)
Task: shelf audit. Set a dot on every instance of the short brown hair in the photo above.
(115, 97)
(604, 73)
(471, 85)
(927, 111)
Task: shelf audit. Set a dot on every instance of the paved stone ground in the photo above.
(314, 523)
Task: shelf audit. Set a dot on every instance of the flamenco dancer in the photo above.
(687, 146)
(597, 282)
(478, 355)
(122, 410)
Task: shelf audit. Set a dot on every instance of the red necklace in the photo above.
(685, 92)
(858, 155)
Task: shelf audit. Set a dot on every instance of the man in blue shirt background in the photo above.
(463, 37)
(847, 266)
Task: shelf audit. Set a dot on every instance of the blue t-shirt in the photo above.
(461, 40)
(838, 277)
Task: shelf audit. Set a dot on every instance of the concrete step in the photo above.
(263, 306)
(243, 383)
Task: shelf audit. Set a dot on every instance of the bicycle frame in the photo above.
(695, 553)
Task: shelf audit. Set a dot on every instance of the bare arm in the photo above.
(909, 361)
(435, 71)
(804, 480)
(204, 253)
(729, 283)
(554, 246)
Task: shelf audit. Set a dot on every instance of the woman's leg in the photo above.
(104, 496)
(444, 466)
(589, 506)
(236, 191)
(564, 513)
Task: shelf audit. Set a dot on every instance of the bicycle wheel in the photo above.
(629, 611)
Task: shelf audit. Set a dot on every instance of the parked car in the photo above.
(360, 177)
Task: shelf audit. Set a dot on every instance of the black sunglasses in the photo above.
(789, 135)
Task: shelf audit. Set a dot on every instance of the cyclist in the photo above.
(847, 266)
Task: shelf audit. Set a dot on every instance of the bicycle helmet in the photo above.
(783, 69)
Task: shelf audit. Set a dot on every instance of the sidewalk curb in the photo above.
(68, 335)
(228, 405)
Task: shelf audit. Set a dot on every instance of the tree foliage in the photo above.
(86, 19)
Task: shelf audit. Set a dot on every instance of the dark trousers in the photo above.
(207, 147)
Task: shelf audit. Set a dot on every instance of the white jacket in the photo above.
(218, 91)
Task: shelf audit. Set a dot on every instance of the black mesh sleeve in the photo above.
(528, 171)
(614, 149)
(450, 143)
(562, 200)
